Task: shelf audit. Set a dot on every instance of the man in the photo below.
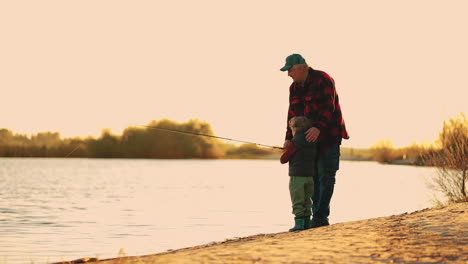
(312, 94)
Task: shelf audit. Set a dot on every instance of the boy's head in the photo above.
(299, 123)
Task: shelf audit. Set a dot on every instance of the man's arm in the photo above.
(288, 152)
(326, 107)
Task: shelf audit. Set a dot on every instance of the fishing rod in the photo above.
(205, 135)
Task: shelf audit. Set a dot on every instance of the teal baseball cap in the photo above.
(292, 60)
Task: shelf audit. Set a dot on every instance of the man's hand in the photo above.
(312, 134)
(286, 143)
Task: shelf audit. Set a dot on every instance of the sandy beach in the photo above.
(428, 236)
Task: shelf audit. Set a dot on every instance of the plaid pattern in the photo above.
(317, 99)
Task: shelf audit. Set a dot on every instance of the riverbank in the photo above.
(427, 236)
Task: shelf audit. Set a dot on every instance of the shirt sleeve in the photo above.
(326, 103)
(288, 152)
(289, 135)
(296, 108)
(290, 115)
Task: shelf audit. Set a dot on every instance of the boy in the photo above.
(301, 156)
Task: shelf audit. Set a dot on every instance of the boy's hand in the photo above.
(288, 151)
(286, 143)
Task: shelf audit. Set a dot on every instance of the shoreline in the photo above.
(437, 235)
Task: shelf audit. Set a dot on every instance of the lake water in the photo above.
(63, 209)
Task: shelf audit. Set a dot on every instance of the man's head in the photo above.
(299, 123)
(297, 67)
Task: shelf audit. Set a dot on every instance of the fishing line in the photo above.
(205, 135)
(196, 134)
(68, 155)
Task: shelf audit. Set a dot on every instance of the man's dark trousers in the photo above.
(327, 164)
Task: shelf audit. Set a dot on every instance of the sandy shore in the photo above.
(426, 236)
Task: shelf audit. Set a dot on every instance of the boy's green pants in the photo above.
(301, 190)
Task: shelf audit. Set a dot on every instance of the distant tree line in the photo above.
(448, 154)
(43, 144)
(135, 142)
(453, 140)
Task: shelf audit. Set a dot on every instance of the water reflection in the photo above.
(71, 208)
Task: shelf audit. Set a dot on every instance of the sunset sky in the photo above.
(77, 67)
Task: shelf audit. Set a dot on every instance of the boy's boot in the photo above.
(298, 224)
(307, 223)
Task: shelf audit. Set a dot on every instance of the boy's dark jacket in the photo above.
(301, 155)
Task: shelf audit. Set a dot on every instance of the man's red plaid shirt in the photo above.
(317, 99)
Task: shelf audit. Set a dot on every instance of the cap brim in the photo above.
(286, 68)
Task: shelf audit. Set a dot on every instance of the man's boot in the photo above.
(319, 222)
(298, 224)
(307, 223)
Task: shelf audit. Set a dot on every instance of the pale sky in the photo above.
(77, 67)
